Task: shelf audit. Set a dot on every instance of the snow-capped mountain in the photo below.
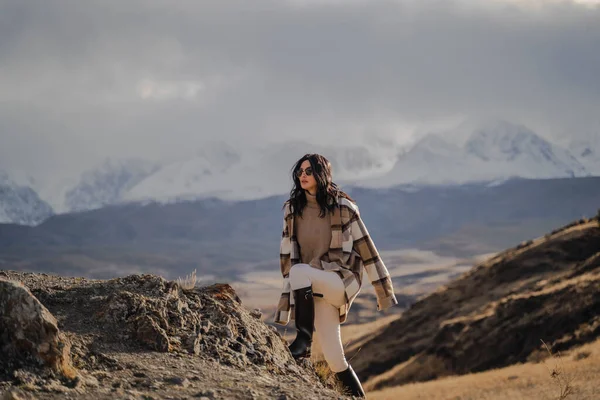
(486, 151)
(432, 160)
(491, 152)
(587, 150)
(107, 184)
(21, 204)
(220, 171)
(187, 178)
(350, 164)
(518, 151)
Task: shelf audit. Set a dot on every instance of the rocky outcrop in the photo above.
(142, 336)
(29, 334)
(150, 312)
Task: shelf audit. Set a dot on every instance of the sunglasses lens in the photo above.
(307, 170)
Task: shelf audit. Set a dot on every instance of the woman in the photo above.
(324, 248)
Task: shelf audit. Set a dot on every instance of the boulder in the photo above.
(29, 334)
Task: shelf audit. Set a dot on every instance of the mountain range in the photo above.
(21, 204)
(227, 239)
(490, 152)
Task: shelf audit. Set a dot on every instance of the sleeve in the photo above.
(282, 315)
(285, 248)
(376, 269)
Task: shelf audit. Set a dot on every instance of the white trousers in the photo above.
(327, 317)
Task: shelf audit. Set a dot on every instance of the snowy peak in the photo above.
(492, 151)
(107, 183)
(432, 160)
(21, 204)
(587, 150)
(505, 142)
(188, 177)
(534, 156)
(219, 170)
(584, 151)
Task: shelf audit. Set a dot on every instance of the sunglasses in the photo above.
(308, 171)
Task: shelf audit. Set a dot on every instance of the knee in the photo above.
(298, 270)
(299, 276)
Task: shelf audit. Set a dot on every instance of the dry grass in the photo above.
(328, 377)
(578, 370)
(563, 381)
(188, 282)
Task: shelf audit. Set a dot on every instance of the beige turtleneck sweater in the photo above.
(313, 233)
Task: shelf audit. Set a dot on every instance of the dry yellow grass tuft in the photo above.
(188, 282)
(563, 381)
(571, 375)
(328, 377)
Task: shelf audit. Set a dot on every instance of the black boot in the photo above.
(305, 321)
(350, 382)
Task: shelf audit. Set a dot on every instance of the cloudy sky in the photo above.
(83, 80)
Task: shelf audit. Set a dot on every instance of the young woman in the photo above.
(324, 248)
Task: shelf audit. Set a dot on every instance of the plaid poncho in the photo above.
(350, 251)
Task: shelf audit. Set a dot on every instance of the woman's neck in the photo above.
(311, 199)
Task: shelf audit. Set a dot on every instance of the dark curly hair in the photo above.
(327, 191)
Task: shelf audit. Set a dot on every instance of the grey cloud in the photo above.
(74, 74)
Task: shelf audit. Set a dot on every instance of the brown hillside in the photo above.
(496, 314)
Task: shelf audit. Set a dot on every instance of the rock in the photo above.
(17, 394)
(205, 327)
(274, 330)
(237, 346)
(90, 381)
(121, 305)
(54, 386)
(227, 333)
(193, 343)
(152, 335)
(175, 380)
(200, 337)
(206, 394)
(256, 313)
(29, 332)
(24, 377)
(223, 291)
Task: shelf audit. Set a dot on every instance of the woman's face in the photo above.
(307, 182)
